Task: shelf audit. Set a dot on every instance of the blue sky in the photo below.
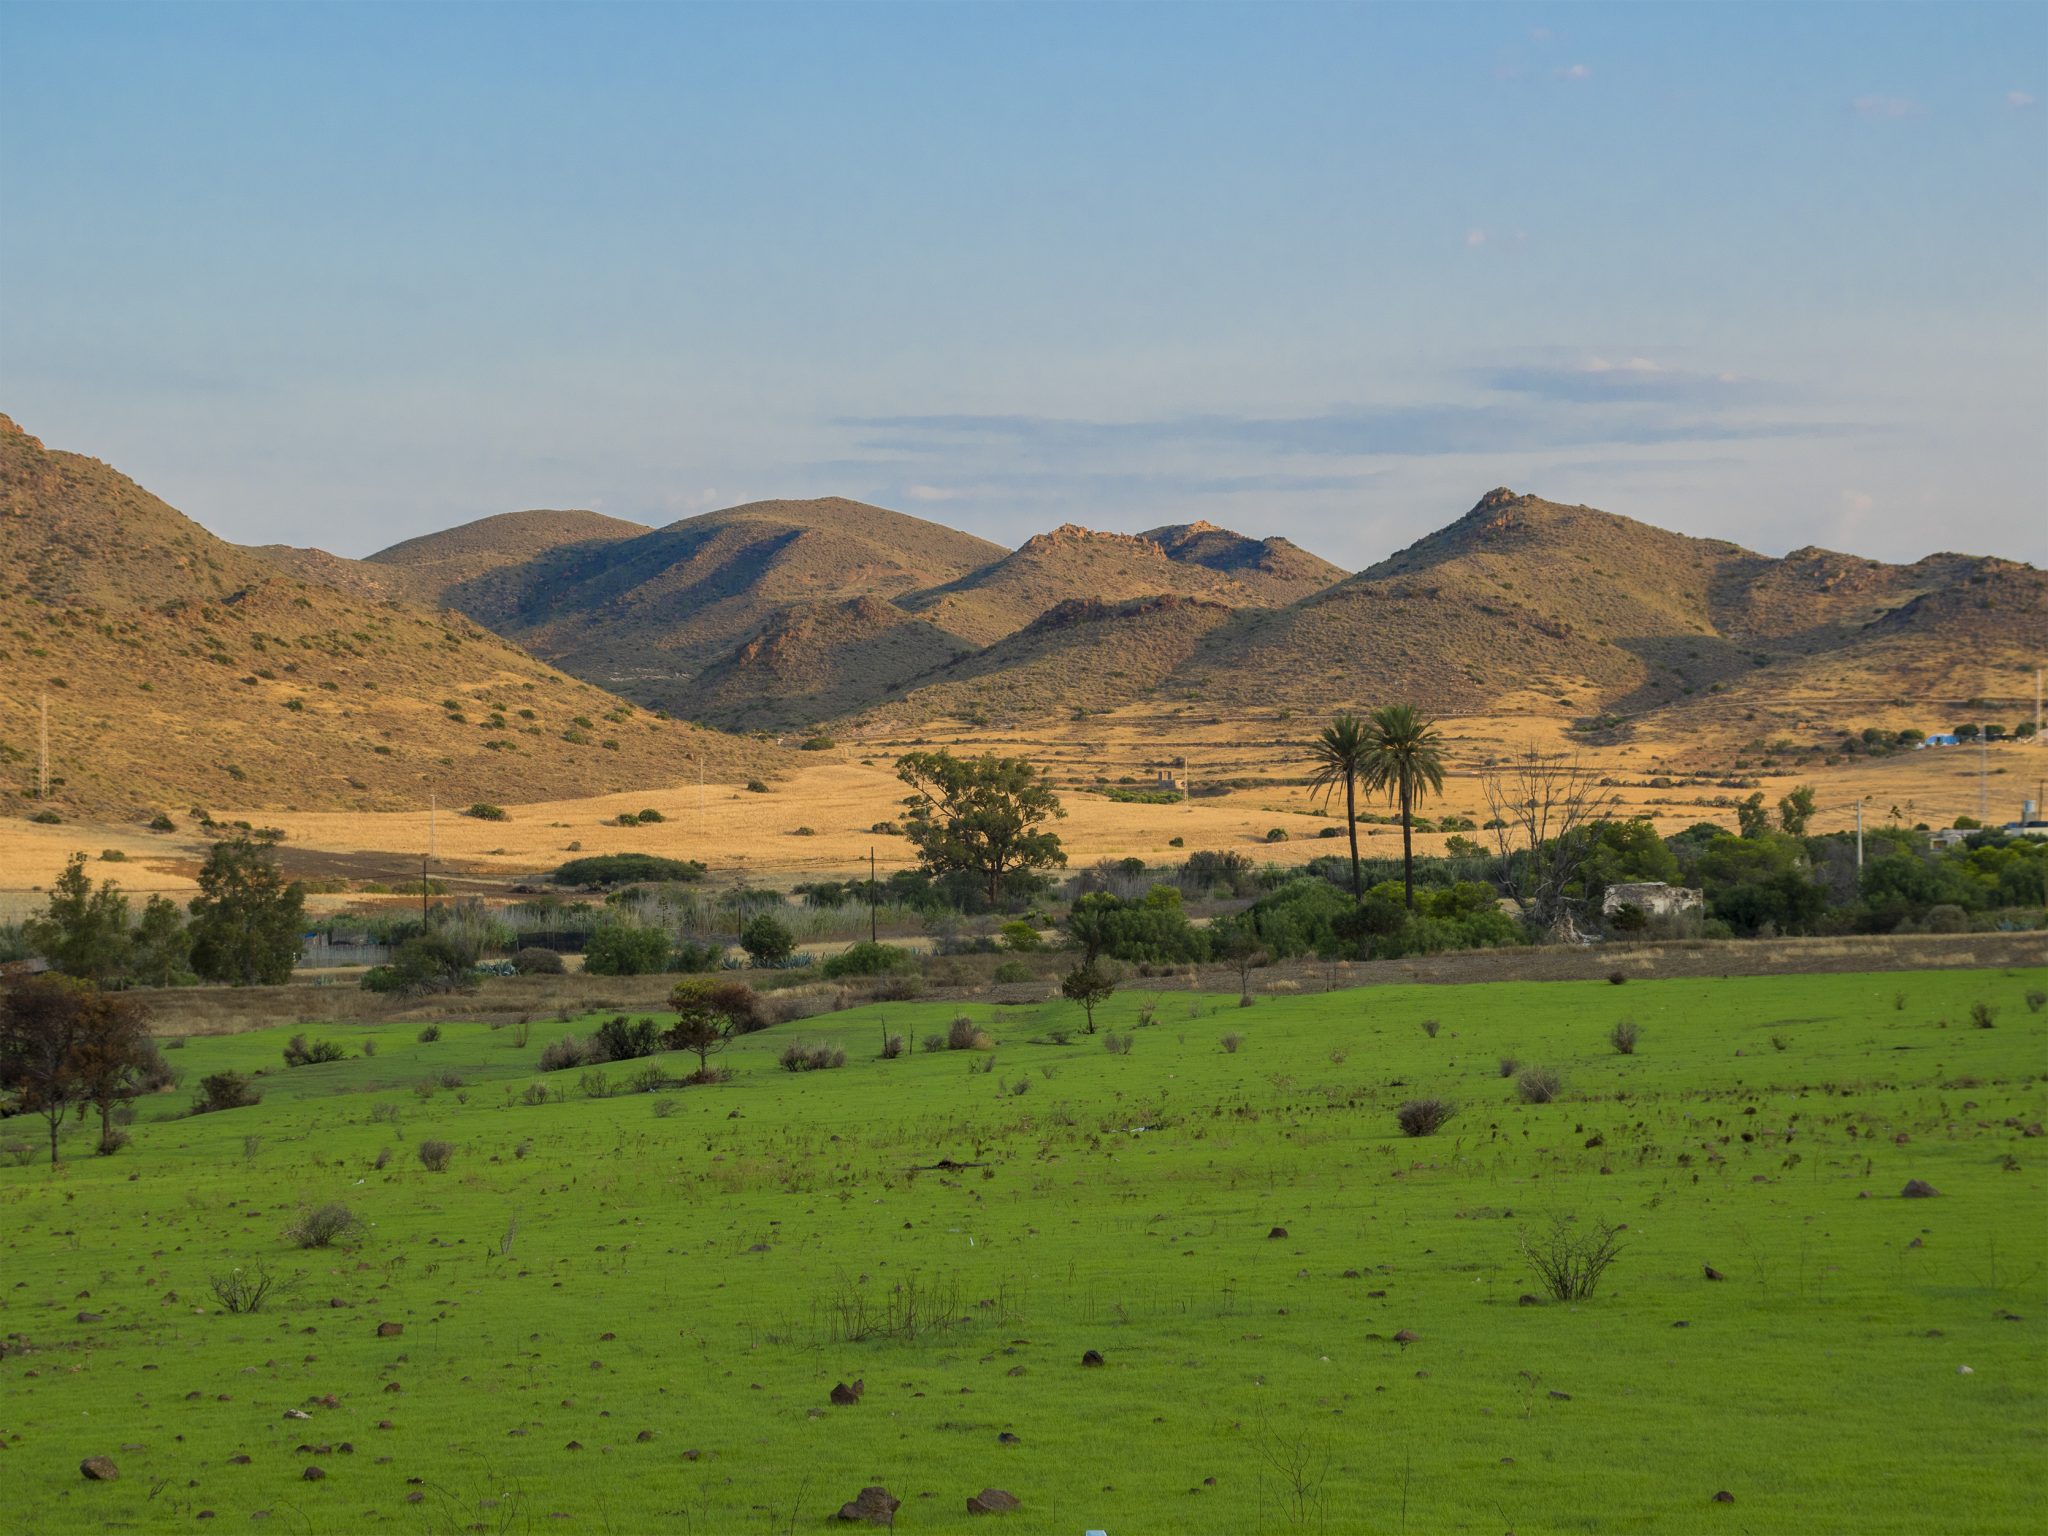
(342, 274)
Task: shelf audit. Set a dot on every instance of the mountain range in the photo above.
(366, 678)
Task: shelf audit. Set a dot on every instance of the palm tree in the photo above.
(1404, 758)
(1339, 755)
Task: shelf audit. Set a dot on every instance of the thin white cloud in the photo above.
(1476, 237)
(931, 493)
(1886, 107)
(1576, 72)
(2019, 101)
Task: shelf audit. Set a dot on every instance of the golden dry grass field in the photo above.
(839, 795)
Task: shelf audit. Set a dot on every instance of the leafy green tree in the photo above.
(768, 941)
(623, 949)
(1090, 985)
(1761, 883)
(114, 1059)
(1153, 930)
(162, 949)
(1795, 810)
(84, 932)
(983, 816)
(247, 922)
(1751, 819)
(1404, 760)
(1623, 852)
(42, 1037)
(1341, 755)
(708, 1014)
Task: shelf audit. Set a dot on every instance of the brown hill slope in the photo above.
(646, 614)
(181, 670)
(1524, 603)
(1276, 571)
(1073, 563)
(821, 661)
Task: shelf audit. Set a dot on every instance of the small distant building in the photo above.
(2030, 823)
(1940, 739)
(1652, 898)
(21, 970)
(1949, 837)
(1169, 781)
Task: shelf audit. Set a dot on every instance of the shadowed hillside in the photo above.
(182, 670)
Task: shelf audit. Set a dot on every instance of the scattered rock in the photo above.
(98, 1469)
(1918, 1189)
(1407, 1336)
(1092, 1357)
(297, 1413)
(415, 1497)
(844, 1396)
(314, 1474)
(1006, 1438)
(238, 1461)
(92, 1317)
(1526, 1300)
(390, 1330)
(644, 1436)
(1964, 1370)
(876, 1506)
(1681, 1323)
(1276, 1232)
(1724, 1497)
(1712, 1273)
(1562, 1397)
(991, 1501)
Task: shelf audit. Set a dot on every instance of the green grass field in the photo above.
(627, 1313)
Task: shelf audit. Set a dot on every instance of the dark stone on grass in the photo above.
(1681, 1323)
(1918, 1189)
(98, 1469)
(844, 1396)
(313, 1474)
(1712, 1273)
(386, 1424)
(1276, 1232)
(644, 1436)
(1526, 1300)
(92, 1317)
(390, 1330)
(1091, 1357)
(238, 1461)
(992, 1501)
(415, 1497)
(875, 1506)
(1407, 1336)
(1724, 1497)
(1562, 1397)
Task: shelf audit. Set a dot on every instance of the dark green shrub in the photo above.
(1424, 1117)
(224, 1090)
(869, 959)
(301, 1052)
(768, 941)
(436, 1155)
(537, 962)
(623, 1041)
(626, 869)
(484, 811)
(618, 950)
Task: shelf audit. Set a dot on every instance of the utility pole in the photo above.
(1983, 775)
(873, 893)
(1859, 840)
(433, 825)
(43, 772)
(424, 914)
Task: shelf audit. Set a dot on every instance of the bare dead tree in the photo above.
(1542, 810)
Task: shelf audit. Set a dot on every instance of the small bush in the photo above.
(2036, 1000)
(537, 962)
(663, 1108)
(113, 856)
(1010, 972)
(245, 1290)
(162, 823)
(1616, 979)
(623, 1041)
(1983, 1015)
(596, 1084)
(322, 1226)
(892, 1047)
(756, 787)
(1230, 1043)
(620, 949)
(1424, 1117)
(224, 1090)
(963, 1034)
(1568, 1262)
(1509, 1066)
(768, 941)
(649, 816)
(569, 1051)
(1277, 835)
(1115, 1044)
(429, 1034)
(1623, 1036)
(370, 1047)
(797, 1056)
(1430, 1027)
(483, 810)
(436, 1155)
(932, 1043)
(536, 1093)
(300, 1052)
(869, 959)
(1538, 1085)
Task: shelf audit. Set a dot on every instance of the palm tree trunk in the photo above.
(1407, 843)
(1351, 822)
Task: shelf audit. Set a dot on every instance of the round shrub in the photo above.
(436, 1155)
(619, 950)
(537, 962)
(869, 959)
